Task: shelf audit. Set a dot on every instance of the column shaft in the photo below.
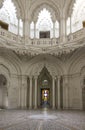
(58, 92)
(66, 96)
(30, 94)
(24, 92)
(62, 30)
(26, 30)
(66, 92)
(35, 103)
(18, 27)
(34, 29)
(53, 90)
(70, 25)
(53, 29)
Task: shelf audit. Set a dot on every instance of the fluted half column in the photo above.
(53, 92)
(35, 100)
(30, 94)
(58, 80)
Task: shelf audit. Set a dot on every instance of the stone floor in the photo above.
(42, 120)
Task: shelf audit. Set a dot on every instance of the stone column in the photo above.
(65, 94)
(24, 92)
(34, 29)
(62, 30)
(53, 92)
(26, 30)
(67, 97)
(53, 29)
(30, 94)
(35, 100)
(20, 90)
(58, 80)
(70, 25)
(18, 31)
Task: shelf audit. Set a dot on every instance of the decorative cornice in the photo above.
(42, 46)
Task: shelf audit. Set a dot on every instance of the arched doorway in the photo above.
(3, 92)
(45, 88)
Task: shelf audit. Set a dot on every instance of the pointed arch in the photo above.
(54, 9)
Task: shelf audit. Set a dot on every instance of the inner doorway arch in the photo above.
(45, 88)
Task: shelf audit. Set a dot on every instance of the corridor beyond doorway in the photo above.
(45, 98)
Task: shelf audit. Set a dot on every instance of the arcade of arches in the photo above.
(42, 58)
(45, 84)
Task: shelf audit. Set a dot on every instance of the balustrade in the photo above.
(13, 39)
(76, 35)
(6, 35)
(45, 41)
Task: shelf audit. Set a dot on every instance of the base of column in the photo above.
(58, 108)
(35, 108)
(53, 108)
(30, 108)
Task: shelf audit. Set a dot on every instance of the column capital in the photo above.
(30, 76)
(35, 22)
(58, 77)
(53, 77)
(35, 76)
(66, 78)
(54, 20)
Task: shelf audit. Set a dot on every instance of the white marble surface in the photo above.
(42, 120)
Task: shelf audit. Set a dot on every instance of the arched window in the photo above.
(44, 22)
(44, 26)
(8, 16)
(78, 15)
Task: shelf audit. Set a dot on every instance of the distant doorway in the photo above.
(44, 34)
(45, 97)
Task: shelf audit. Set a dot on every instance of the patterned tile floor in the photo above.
(42, 120)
